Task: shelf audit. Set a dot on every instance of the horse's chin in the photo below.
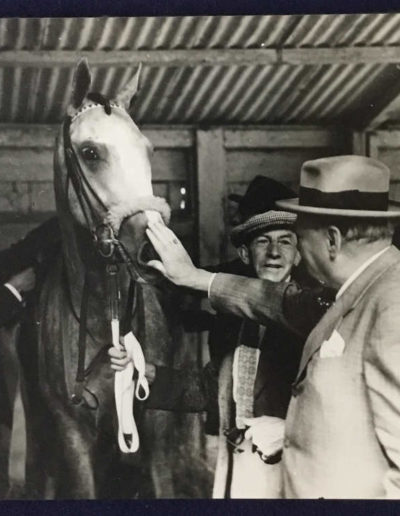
(132, 235)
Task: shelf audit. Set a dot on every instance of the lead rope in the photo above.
(77, 395)
(131, 381)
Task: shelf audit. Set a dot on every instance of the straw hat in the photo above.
(347, 186)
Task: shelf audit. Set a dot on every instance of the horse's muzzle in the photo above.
(133, 238)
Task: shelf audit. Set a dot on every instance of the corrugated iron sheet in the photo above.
(310, 93)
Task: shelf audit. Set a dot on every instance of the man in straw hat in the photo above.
(342, 433)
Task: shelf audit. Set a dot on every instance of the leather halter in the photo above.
(108, 246)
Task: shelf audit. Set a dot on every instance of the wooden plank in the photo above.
(342, 55)
(170, 138)
(207, 57)
(169, 165)
(211, 177)
(26, 164)
(283, 165)
(42, 135)
(172, 58)
(359, 143)
(28, 135)
(373, 145)
(389, 138)
(277, 138)
(388, 112)
(385, 146)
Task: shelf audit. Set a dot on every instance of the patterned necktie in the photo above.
(244, 370)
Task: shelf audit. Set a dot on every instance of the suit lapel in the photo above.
(333, 317)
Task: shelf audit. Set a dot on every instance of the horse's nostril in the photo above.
(146, 253)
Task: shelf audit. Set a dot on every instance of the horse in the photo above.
(103, 191)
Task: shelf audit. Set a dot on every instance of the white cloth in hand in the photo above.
(266, 433)
(125, 390)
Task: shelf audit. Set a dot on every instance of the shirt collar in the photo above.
(358, 271)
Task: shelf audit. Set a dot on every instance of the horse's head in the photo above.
(103, 172)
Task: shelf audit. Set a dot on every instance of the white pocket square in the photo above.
(333, 347)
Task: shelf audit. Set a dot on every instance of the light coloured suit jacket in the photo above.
(343, 425)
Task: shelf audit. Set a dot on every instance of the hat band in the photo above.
(345, 200)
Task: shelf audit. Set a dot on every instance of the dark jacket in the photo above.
(10, 306)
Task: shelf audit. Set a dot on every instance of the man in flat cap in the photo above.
(342, 433)
(256, 376)
(259, 198)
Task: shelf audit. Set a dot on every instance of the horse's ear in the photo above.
(126, 95)
(82, 81)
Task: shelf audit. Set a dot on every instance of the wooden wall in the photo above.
(195, 169)
(385, 146)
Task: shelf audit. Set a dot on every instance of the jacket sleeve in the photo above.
(10, 306)
(298, 309)
(382, 373)
(32, 249)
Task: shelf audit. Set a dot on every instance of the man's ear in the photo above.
(244, 254)
(334, 241)
(297, 258)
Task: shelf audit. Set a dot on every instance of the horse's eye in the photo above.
(90, 153)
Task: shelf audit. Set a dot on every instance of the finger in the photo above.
(159, 230)
(120, 360)
(155, 240)
(164, 234)
(116, 353)
(117, 368)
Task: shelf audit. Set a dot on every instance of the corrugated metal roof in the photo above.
(278, 93)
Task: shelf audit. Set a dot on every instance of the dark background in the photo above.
(63, 8)
(39, 8)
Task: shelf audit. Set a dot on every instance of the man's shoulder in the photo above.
(385, 289)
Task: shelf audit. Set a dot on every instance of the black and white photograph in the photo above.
(199, 257)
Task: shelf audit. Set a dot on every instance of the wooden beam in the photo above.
(342, 55)
(211, 177)
(385, 102)
(196, 57)
(359, 143)
(387, 139)
(385, 114)
(277, 138)
(42, 136)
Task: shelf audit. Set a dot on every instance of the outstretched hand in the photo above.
(175, 264)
